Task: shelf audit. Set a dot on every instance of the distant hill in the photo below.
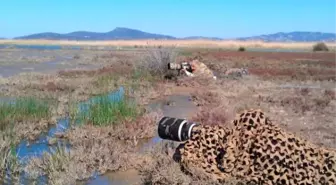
(116, 34)
(133, 34)
(294, 37)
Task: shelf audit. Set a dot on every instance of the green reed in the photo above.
(105, 111)
(23, 109)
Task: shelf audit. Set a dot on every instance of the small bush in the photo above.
(157, 59)
(320, 47)
(241, 48)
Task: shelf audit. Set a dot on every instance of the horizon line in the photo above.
(204, 41)
(238, 37)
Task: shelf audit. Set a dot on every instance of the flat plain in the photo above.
(48, 86)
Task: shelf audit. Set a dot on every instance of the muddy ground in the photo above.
(16, 61)
(297, 91)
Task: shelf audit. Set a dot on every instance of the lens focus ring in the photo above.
(175, 129)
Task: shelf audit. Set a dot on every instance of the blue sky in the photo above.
(180, 18)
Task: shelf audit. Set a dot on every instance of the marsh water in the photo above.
(180, 106)
(48, 63)
(175, 106)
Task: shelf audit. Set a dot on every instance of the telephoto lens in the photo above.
(174, 66)
(175, 129)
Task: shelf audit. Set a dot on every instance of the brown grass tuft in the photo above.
(161, 169)
(116, 69)
(214, 116)
(206, 98)
(85, 158)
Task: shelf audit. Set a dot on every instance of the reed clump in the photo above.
(23, 109)
(105, 111)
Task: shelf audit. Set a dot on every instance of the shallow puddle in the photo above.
(117, 178)
(36, 148)
(25, 150)
(179, 106)
(14, 62)
(59, 63)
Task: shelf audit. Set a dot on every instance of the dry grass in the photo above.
(143, 127)
(165, 43)
(65, 167)
(300, 108)
(161, 169)
(10, 168)
(156, 60)
(305, 111)
(220, 115)
(95, 150)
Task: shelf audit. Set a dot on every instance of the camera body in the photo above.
(175, 129)
(177, 66)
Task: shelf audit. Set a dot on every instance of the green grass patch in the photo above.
(104, 111)
(27, 108)
(132, 80)
(106, 80)
(142, 75)
(186, 53)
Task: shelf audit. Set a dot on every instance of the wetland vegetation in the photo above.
(115, 126)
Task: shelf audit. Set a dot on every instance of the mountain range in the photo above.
(120, 33)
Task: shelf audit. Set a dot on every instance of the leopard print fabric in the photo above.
(257, 151)
(200, 69)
